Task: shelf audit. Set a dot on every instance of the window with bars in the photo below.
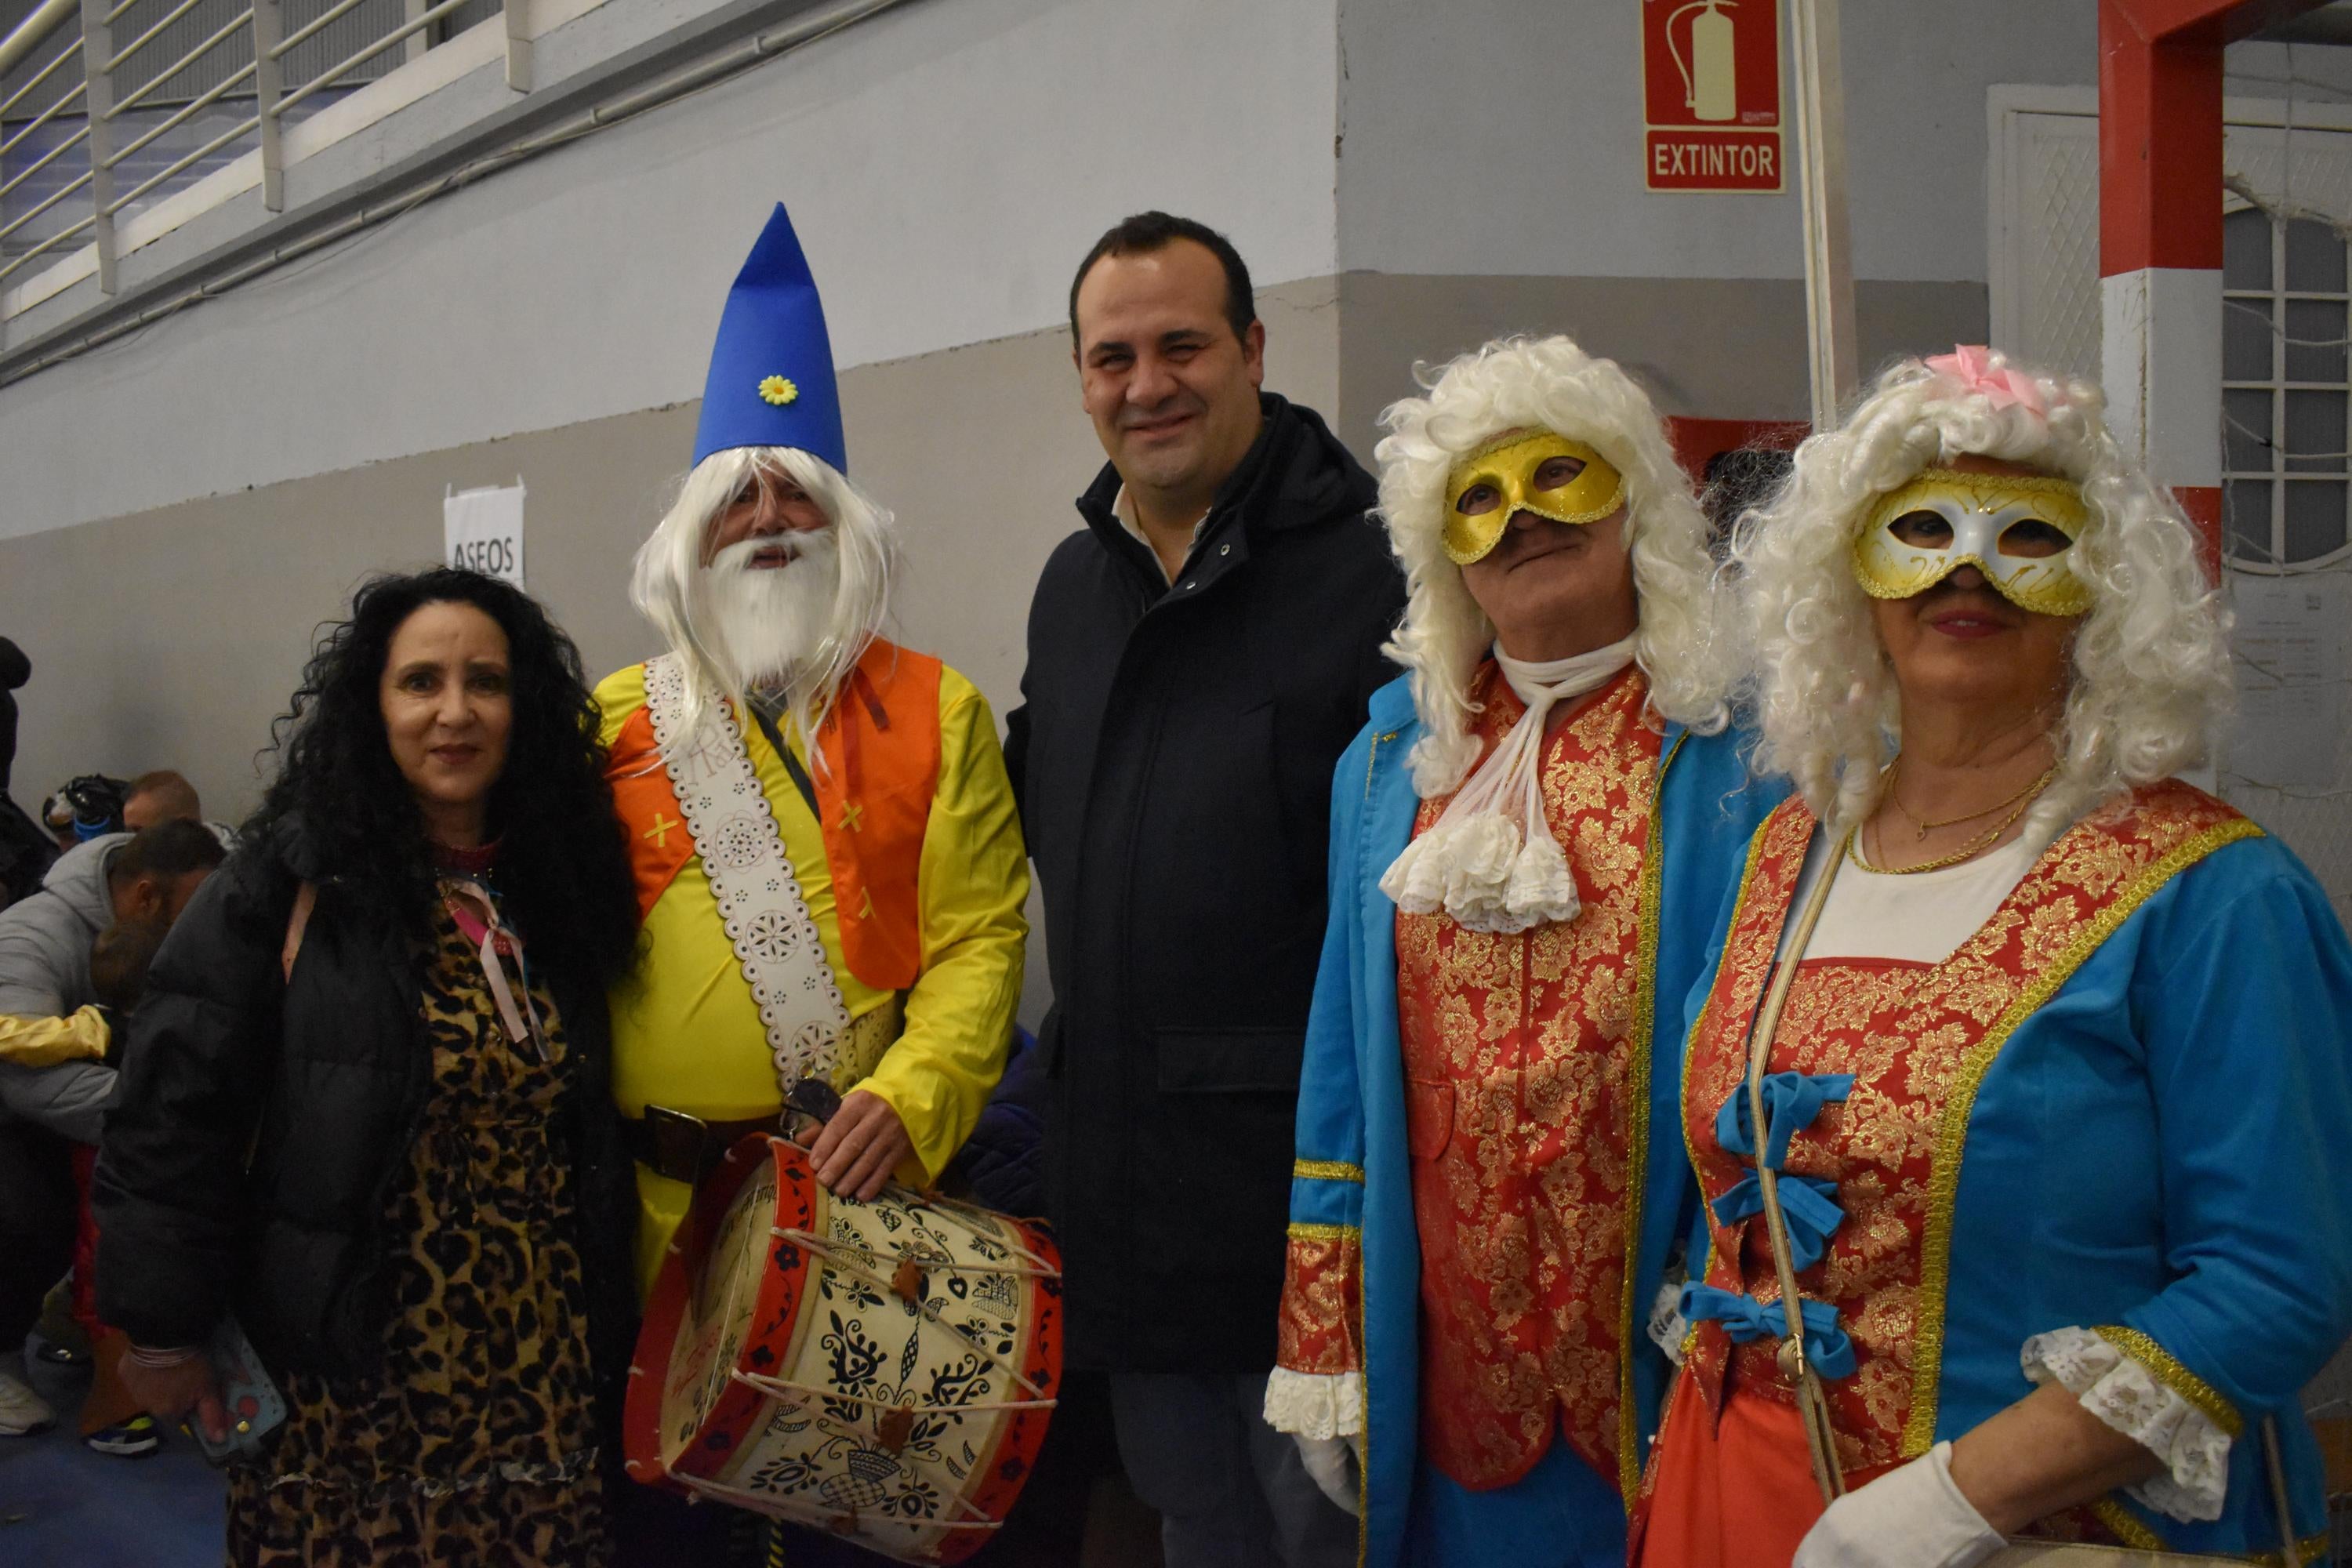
(2286, 393)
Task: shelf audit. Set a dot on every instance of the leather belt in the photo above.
(686, 1148)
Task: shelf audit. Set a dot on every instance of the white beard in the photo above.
(763, 625)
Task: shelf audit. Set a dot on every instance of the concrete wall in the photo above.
(169, 637)
(1495, 136)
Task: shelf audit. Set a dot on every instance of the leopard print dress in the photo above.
(475, 1441)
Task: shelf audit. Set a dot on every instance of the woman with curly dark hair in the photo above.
(364, 1112)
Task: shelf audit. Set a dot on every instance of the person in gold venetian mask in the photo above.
(1527, 844)
(2044, 1050)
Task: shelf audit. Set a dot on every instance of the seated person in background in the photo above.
(121, 892)
(70, 955)
(86, 808)
(15, 670)
(164, 796)
(161, 797)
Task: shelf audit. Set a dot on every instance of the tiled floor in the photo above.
(62, 1506)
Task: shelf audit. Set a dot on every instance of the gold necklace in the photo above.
(1968, 851)
(1894, 777)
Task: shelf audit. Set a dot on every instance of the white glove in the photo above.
(1911, 1516)
(1332, 1463)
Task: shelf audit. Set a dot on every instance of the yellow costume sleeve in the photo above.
(79, 1036)
(974, 884)
(617, 696)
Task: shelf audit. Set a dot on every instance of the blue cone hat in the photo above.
(770, 382)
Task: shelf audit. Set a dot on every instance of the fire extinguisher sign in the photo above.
(1711, 95)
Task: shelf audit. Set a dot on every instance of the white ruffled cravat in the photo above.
(1490, 859)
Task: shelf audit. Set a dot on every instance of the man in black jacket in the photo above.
(1199, 655)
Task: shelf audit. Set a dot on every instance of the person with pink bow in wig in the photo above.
(2025, 1066)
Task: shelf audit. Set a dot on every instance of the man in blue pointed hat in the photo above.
(785, 774)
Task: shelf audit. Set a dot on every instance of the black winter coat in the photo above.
(1173, 755)
(324, 1078)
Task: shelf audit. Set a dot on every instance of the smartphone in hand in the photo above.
(255, 1406)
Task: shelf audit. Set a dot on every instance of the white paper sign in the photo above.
(482, 531)
(2290, 658)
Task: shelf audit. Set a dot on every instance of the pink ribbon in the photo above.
(496, 941)
(1971, 365)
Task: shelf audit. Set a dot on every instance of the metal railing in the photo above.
(243, 57)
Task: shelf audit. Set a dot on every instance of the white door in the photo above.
(2287, 416)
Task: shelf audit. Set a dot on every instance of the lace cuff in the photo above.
(1315, 1405)
(2144, 1403)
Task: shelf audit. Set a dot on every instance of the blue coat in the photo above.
(2163, 1145)
(1351, 1111)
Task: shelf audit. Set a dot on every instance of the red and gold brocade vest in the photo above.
(1526, 1060)
(1916, 1039)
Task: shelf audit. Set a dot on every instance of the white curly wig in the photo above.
(2149, 683)
(1684, 645)
(668, 583)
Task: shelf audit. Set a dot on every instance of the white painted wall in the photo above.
(947, 164)
(1503, 137)
(1497, 137)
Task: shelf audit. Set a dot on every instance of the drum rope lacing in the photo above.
(816, 1514)
(947, 1210)
(930, 1310)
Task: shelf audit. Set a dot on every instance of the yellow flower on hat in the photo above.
(775, 389)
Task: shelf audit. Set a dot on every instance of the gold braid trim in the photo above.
(1952, 1126)
(2132, 1533)
(2167, 1371)
(1327, 1171)
(1303, 1232)
(1637, 1131)
(2125, 1525)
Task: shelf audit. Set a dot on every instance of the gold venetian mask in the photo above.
(2018, 529)
(1519, 470)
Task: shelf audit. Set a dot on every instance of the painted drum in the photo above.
(884, 1370)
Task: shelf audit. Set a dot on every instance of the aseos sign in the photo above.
(1711, 95)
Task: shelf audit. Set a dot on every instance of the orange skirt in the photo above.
(1737, 1492)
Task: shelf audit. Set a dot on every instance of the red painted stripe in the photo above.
(2203, 505)
(2160, 147)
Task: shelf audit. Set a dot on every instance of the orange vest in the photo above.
(878, 754)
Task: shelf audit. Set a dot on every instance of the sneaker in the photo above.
(63, 1343)
(127, 1439)
(22, 1411)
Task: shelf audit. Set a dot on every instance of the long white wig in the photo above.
(2149, 683)
(1684, 645)
(669, 585)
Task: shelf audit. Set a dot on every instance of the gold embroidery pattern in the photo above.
(1637, 1137)
(1525, 1060)
(1918, 1039)
(1327, 1171)
(2167, 1370)
(1321, 1288)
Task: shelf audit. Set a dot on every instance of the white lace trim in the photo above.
(2125, 1395)
(777, 944)
(1490, 859)
(1315, 1403)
